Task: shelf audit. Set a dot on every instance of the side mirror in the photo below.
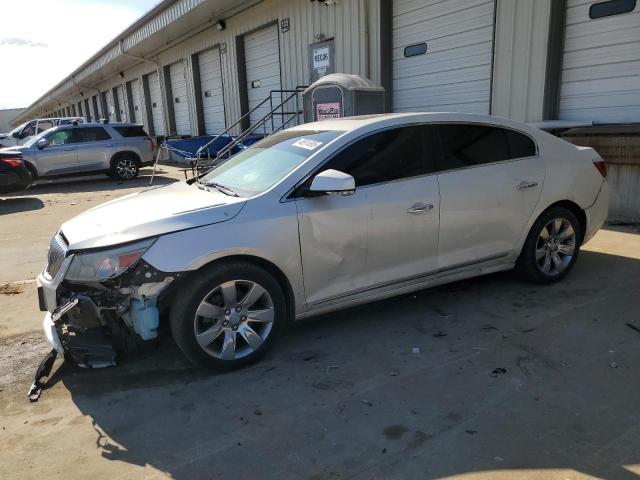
(43, 143)
(333, 181)
(16, 135)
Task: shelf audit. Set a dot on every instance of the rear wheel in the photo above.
(125, 168)
(552, 247)
(228, 316)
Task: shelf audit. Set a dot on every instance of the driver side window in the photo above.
(61, 137)
(29, 130)
(383, 157)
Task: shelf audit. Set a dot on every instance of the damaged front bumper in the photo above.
(91, 325)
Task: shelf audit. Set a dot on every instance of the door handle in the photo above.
(108, 146)
(420, 208)
(524, 185)
(68, 149)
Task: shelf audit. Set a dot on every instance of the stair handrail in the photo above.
(298, 89)
(239, 138)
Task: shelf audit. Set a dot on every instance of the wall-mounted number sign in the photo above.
(284, 25)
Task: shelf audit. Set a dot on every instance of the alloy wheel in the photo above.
(234, 319)
(555, 247)
(126, 168)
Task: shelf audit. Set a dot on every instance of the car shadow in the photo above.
(488, 374)
(99, 183)
(19, 204)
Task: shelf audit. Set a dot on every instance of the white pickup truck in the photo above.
(20, 135)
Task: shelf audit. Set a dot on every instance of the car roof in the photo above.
(101, 124)
(390, 119)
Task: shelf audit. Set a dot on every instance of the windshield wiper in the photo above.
(223, 188)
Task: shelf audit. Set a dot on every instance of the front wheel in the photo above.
(552, 247)
(125, 168)
(228, 315)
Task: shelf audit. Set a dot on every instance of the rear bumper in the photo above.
(597, 213)
(15, 181)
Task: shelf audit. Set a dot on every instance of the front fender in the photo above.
(270, 234)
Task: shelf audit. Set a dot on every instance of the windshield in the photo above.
(264, 164)
(17, 129)
(33, 140)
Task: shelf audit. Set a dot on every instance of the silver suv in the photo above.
(118, 149)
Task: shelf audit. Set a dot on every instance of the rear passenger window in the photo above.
(44, 125)
(90, 134)
(520, 146)
(134, 131)
(471, 145)
(383, 157)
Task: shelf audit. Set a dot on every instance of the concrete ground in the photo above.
(490, 378)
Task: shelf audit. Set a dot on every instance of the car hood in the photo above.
(150, 212)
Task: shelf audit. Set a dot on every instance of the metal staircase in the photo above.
(285, 110)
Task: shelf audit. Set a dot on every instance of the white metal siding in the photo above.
(212, 94)
(156, 103)
(179, 98)
(262, 57)
(600, 66)
(137, 102)
(455, 73)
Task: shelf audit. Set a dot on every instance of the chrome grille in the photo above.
(57, 251)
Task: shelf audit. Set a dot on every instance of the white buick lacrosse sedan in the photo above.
(316, 218)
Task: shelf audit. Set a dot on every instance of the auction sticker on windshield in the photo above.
(307, 143)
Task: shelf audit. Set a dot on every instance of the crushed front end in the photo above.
(101, 303)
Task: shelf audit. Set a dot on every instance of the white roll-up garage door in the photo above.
(600, 65)
(453, 73)
(180, 100)
(137, 102)
(211, 86)
(156, 103)
(262, 57)
(121, 104)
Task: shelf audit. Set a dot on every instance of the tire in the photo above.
(125, 167)
(552, 247)
(32, 171)
(211, 332)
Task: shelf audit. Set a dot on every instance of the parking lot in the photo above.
(486, 378)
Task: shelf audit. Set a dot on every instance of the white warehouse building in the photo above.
(194, 67)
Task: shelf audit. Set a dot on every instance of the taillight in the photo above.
(13, 162)
(601, 166)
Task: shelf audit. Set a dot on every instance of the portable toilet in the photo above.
(340, 95)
